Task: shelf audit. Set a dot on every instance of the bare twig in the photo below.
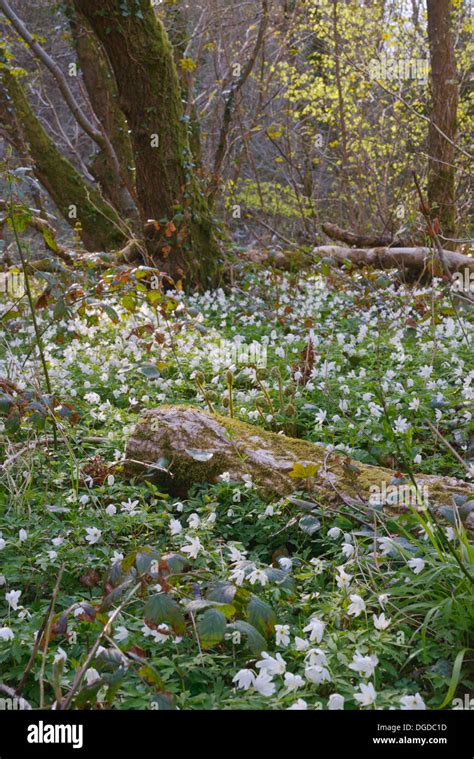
(447, 444)
(47, 635)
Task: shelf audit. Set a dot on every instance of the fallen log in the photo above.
(178, 446)
(419, 261)
(359, 241)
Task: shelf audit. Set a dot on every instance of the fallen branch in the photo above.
(359, 241)
(417, 261)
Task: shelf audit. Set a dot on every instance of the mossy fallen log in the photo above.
(178, 446)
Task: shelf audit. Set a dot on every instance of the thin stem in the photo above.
(29, 294)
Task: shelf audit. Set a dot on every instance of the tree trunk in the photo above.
(175, 213)
(78, 201)
(199, 447)
(175, 19)
(443, 124)
(102, 91)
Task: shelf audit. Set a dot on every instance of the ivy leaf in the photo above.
(162, 608)
(211, 628)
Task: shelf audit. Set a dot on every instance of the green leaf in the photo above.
(227, 609)
(211, 628)
(49, 240)
(151, 676)
(223, 592)
(111, 313)
(144, 560)
(129, 302)
(88, 694)
(60, 310)
(303, 505)
(150, 371)
(279, 576)
(261, 616)
(303, 471)
(163, 703)
(455, 677)
(6, 402)
(154, 297)
(255, 641)
(176, 563)
(162, 608)
(309, 525)
(115, 595)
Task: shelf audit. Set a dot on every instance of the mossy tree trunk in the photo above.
(79, 202)
(180, 234)
(100, 84)
(175, 19)
(443, 125)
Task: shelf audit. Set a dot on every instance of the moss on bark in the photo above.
(200, 446)
(102, 90)
(100, 225)
(150, 96)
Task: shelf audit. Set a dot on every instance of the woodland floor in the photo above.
(305, 609)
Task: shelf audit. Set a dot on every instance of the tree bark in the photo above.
(100, 225)
(175, 213)
(102, 91)
(95, 133)
(413, 260)
(361, 241)
(194, 446)
(445, 96)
